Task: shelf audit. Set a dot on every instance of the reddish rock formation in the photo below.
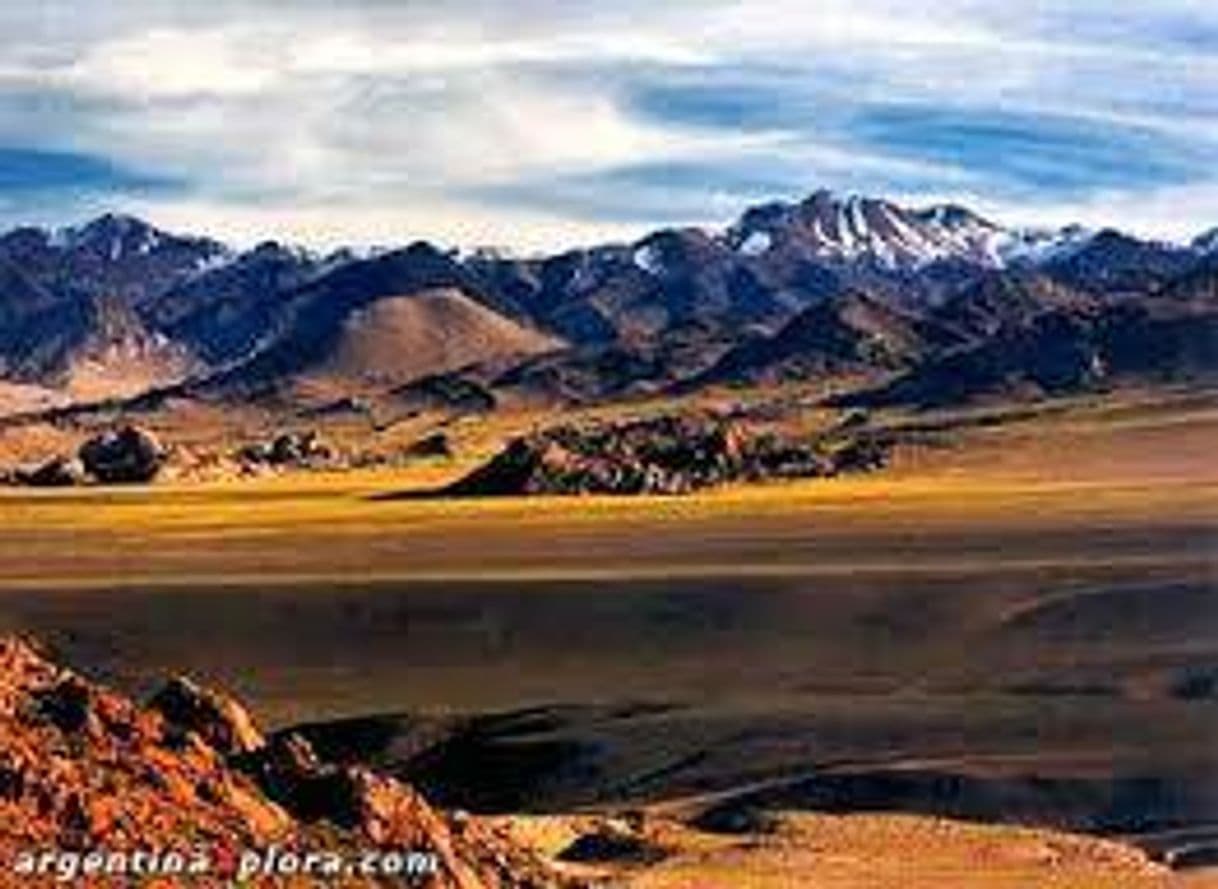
(83, 768)
(217, 719)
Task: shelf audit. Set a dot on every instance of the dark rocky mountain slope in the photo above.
(828, 285)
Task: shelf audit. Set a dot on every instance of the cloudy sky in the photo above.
(536, 123)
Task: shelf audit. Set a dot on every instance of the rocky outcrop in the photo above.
(216, 718)
(437, 444)
(83, 768)
(664, 455)
(300, 450)
(58, 472)
(456, 392)
(129, 455)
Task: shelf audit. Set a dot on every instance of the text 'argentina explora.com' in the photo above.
(247, 864)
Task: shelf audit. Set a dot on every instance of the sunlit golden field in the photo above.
(1097, 469)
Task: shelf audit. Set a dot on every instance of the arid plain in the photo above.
(1016, 623)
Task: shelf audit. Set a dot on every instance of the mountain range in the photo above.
(929, 305)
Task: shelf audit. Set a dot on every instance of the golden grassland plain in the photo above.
(1091, 469)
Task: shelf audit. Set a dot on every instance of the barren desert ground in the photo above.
(1020, 626)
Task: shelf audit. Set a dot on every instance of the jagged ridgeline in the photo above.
(825, 288)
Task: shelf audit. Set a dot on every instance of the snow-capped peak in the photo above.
(1206, 242)
(756, 243)
(488, 253)
(856, 229)
(1039, 245)
(853, 228)
(116, 236)
(646, 257)
(113, 235)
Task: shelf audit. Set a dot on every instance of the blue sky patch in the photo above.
(32, 172)
(1034, 152)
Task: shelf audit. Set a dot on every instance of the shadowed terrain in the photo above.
(1019, 627)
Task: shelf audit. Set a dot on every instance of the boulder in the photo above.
(861, 454)
(290, 772)
(68, 704)
(218, 719)
(612, 843)
(735, 818)
(129, 455)
(58, 472)
(299, 449)
(436, 444)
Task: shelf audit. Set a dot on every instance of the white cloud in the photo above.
(840, 25)
(356, 53)
(168, 64)
(1176, 213)
(428, 216)
(354, 121)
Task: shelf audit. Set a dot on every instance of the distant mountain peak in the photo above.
(1035, 246)
(854, 228)
(107, 229)
(113, 221)
(1206, 242)
(956, 216)
(114, 237)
